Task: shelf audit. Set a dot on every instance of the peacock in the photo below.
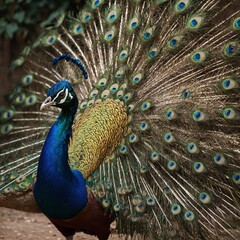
(128, 111)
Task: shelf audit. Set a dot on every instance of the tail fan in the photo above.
(174, 66)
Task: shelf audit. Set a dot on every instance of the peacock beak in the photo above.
(48, 102)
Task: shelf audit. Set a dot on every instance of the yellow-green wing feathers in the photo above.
(96, 133)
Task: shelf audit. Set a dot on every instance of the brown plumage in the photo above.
(91, 220)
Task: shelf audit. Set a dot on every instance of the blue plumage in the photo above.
(77, 62)
(60, 192)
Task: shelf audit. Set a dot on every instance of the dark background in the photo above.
(8, 51)
(21, 22)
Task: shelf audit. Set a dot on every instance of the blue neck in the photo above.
(60, 192)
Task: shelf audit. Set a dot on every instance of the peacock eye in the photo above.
(61, 94)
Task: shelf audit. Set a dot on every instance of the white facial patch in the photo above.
(65, 96)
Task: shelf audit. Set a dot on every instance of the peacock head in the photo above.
(60, 95)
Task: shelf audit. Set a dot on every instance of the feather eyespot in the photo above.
(236, 24)
(189, 216)
(133, 24)
(181, 6)
(204, 198)
(176, 209)
(172, 165)
(219, 159)
(236, 178)
(96, 3)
